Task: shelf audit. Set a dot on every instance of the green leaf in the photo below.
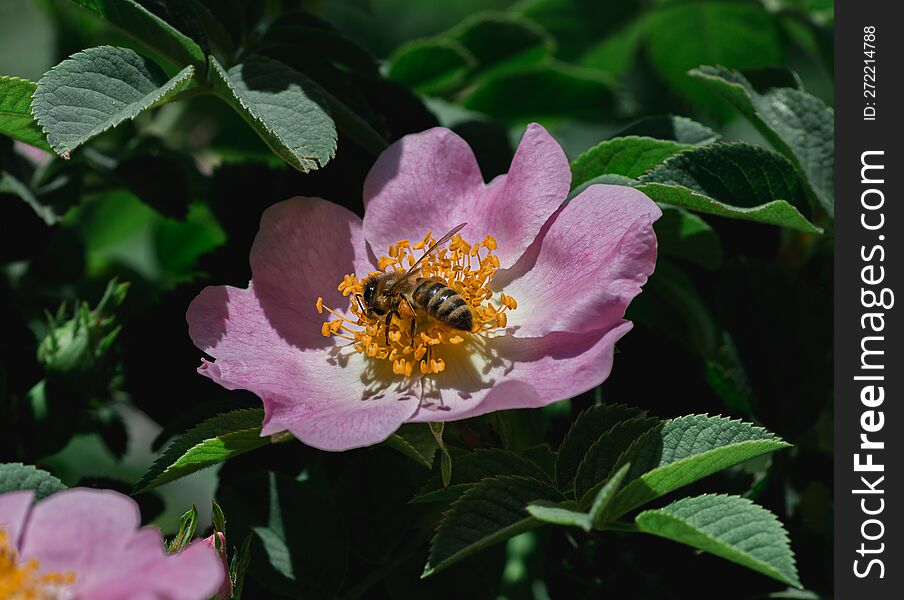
(736, 180)
(213, 441)
(560, 514)
(490, 512)
(238, 566)
(630, 156)
(546, 90)
(520, 428)
(544, 457)
(303, 536)
(797, 124)
(606, 494)
(475, 466)
(97, 89)
(15, 112)
(587, 429)
(415, 440)
(303, 31)
(16, 476)
(603, 455)
(142, 24)
(728, 526)
(670, 127)
(565, 513)
(686, 449)
(685, 235)
(187, 526)
(683, 36)
(218, 518)
(354, 126)
(502, 42)
(286, 109)
(725, 374)
(675, 307)
(615, 53)
(432, 67)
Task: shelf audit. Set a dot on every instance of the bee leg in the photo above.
(388, 322)
(411, 331)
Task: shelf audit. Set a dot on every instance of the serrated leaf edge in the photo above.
(150, 478)
(785, 539)
(431, 569)
(172, 85)
(250, 115)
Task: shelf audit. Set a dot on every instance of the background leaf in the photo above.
(671, 127)
(15, 112)
(683, 36)
(797, 124)
(431, 66)
(685, 235)
(502, 42)
(136, 20)
(546, 90)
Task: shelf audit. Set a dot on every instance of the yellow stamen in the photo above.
(422, 351)
(23, 580)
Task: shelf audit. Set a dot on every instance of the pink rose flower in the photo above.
(547, 284)
(84, 544)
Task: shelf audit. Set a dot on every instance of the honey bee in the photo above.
(402, 294)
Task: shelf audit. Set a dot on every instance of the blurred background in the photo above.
(169, 203)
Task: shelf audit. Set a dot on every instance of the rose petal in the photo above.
(14, 507)
(431, 181)
(588, 264)
(534, 188)
(303, 249)
(424, 181)
(79, 529)
(326, 398)
(144, 570)
(526, 373)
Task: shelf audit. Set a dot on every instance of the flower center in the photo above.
(23, 581)
(408, 320)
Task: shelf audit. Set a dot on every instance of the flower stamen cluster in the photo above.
(465, 267)
(24, 581)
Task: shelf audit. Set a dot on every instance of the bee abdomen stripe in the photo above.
(426, 291)
(461, 318)
(441, 297)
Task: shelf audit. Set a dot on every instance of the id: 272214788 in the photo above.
(869, 72)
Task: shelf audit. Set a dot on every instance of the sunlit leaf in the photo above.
(728, 526)
(97, 89)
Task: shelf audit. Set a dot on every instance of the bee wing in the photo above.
(436, 246)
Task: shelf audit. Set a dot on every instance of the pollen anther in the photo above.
(424, 351)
